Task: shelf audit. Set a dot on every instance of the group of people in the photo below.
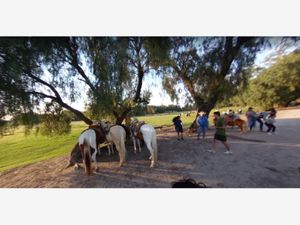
(267, 118)
(201, 122)
(202, 126)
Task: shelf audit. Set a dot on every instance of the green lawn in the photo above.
(166, 119)
(17, 150)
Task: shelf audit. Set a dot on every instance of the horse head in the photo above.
(105, 125)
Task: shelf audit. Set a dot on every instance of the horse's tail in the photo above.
(86, 157)
(72, 159)
(154, 147)
(122, 145)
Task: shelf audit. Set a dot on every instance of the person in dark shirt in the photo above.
(178, 127)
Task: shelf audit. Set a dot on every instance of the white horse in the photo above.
(88, 140)
(117, 135)
(149, 136)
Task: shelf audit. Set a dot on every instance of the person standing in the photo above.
(251, 118)
(260, 118)
(178, 127)
(270, 120)
(202, 124)
(220, 134)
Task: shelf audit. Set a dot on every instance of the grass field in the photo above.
(18, 150)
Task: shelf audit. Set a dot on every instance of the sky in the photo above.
(153, 83)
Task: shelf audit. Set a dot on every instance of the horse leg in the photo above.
(94, 156)
(134, 144)
(148, 144)
(121, 154)
(112, 148)
(108, 147)
(81, 146)
(139, 144)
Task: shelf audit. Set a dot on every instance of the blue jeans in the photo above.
(251, 123)
(201, 130)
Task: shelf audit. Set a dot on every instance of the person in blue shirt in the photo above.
(202, 124)
(178, 127)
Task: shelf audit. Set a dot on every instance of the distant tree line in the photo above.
(153, 109)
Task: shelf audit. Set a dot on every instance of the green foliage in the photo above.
(55, 121)
(109, 69)
(6, 128)
(277, 85)
(210, 68)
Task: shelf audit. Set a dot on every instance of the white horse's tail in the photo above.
(122, 145)
(154, 147)
(85, 149)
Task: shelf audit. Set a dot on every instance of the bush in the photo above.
(55, 122)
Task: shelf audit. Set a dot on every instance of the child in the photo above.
(251, 118)
(270, 120)
(178, 126)
(220, 134)
(202, 123)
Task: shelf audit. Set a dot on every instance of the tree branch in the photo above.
(39, 80)
(58, 99)
(41, 94)
(72, 48)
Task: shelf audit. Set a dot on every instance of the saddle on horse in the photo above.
(136, 129)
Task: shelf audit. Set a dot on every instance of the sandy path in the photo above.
(273, 162)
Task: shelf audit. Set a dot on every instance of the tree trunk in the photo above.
(120, 117)
(79, 114)
(140, 83)
(205, 107)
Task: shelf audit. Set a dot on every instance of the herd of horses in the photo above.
(115, 135)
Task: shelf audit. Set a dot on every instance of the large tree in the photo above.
(109, 70)
(279, 84)
(210, 67)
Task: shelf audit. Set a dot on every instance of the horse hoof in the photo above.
(152, 165)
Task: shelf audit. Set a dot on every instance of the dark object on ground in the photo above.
(245, 139)
(187, 183)
(272, 169)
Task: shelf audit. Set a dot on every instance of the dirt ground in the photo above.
(259, 161)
